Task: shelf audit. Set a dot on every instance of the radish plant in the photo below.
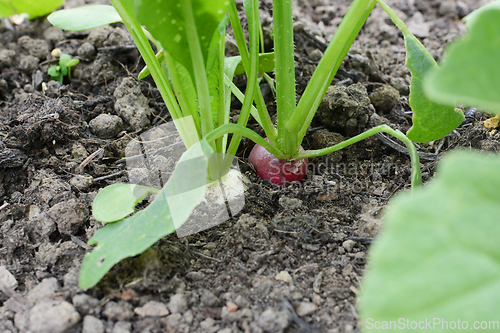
(195, 81)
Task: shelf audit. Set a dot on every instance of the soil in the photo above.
(290, 261)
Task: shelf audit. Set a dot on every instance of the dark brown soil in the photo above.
(290, 261)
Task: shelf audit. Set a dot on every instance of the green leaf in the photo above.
(470, 71)
(65, 59)
(431, 121)
(439, 254)
(472, 17)
(84, 18)
(173, 205)
(117, 201)
(266, 64)
(165, 21)
(34, 8)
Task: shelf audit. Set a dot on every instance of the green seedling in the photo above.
(58, 72)
(436, 264)
(34, 8)
(195, 81)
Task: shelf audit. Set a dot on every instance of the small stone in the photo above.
(78, 151)
(118, 311)
(53, 35)
(43, 290)
(85, 304)
(122, 327)
(417, 25)
(81, 182)
(208, 298)
(225, 330)
(360, 255)
(195, 276)
(7, 279)
(306, 309)
(86, 51)
(152, 309)
(131, 104)
(273, 321)
(6, 58)
(173, 320)
(178, 303)
(207, 323)
(92, 325)
(28, 63)
(231, 307)
(315, 55)
(348, 245)
(37, 48)
(52, 316)
(384, 98)
(69, 216)
(106, 125)
(290, 203)
(285, 277)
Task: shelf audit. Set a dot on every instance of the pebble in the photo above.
(348, 245)
(92, 325)
(306, 309)
(118, 311)
(178, 303)
(208, 298)
(7, 279)
(69, 216)
(78, 151)
(195, 276)
(290, 203)
(273, 321)
(106, 126)
(231, 307)
(131, 104)
(384, 98)
(284, 276)
(53, 35)
(315, 55)
(43, 290)
(417, 25)
(81, 182)
(28, 63)
(52, 316)
(122, 327)
(86, 51)
(37, 48)
(152, 309)
(85, 303)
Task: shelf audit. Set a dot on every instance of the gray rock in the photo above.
(7, 279)
(289, 203)
(37, 48)
(315, 55)
(53, 35)
(81, 182)
(85, 304)
(28, 63)
(86, 51)
(98, 36)
(69, 216)
(122, 327)
(131, 104)
(173, 321)
(41, 226)
(6, 58)
(78, 151)
(273, 321)
(118, 311)
(152, 309)
(92, 325)
(43, 290)
(345, 109)
(52, 316)
(178, 303)
(53, 89)
(117, 36)
(417, 25)
(106, 125)
(384, 98)
(208, 298)
(400, 84)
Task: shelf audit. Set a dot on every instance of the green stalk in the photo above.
(200, 74)
(285, 75)
(416, 176)
(252, 74)
(149, 57)
(327, 68)
(263, 113)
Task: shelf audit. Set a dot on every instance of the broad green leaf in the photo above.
(431, 120)
(470, 71)
(165, 21)
(439, 254)
(173, 205)
(34, 8)
(472, 17)
(84, 18)
(115, 202)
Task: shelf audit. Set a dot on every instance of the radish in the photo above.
(269, 167)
